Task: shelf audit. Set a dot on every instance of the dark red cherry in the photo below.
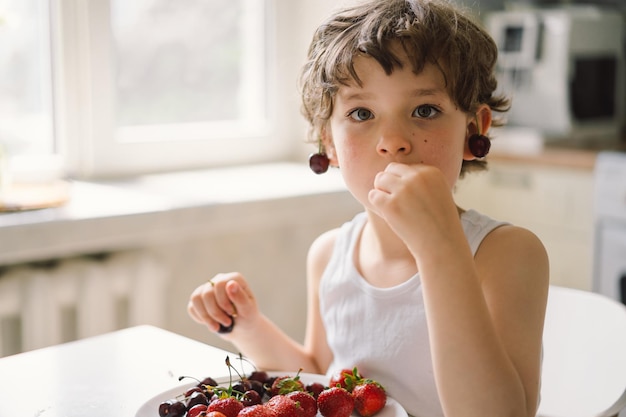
(229, 328)
(251, 397)
(319, 162)
(257, 386)
(315, 388)
(242, 386)
(197, 398)
(172, 408)
(196, 410)
(260, 376)
(192, 390)
(270, 380)
(207, 381)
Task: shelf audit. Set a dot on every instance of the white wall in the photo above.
(294, 28)
(270, 254)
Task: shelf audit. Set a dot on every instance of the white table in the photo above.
(105, 376)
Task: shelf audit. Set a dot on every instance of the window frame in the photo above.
(84, 106)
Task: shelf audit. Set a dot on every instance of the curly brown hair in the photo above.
(430, 31)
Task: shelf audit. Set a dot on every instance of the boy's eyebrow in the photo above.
(358, 95)
(418, 92)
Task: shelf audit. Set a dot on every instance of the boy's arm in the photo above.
(485, 313)
(254, 335)
(485, 318)
(276, 351)
(315, 338)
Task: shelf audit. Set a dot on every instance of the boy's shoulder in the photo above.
(516, 236)
(322, 248)
(320, 253)
(504, 249)
(326, 240)
(515, 252)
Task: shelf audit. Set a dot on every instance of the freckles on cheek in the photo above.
(432, 152)
(348, 155)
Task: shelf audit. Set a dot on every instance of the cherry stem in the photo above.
(230, 366)
(244, 359)
(180, 378)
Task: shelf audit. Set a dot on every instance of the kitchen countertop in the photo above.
(556, 157)
(571, 154)
(163, 208)
(107, 216)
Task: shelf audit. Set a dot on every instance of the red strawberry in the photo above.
(369, 398)
(308, 403)
(282, 406)
(335, 402)
(346, 378)
(286, 384)
(229, 406)
(257, 410)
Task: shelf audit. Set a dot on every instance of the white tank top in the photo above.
(383, 331)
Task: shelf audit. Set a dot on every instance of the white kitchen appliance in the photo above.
(609, 254)
(609, 270)
(563, 68)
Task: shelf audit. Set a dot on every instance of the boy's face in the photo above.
(402, 117)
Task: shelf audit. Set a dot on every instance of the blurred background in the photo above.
(147, 145)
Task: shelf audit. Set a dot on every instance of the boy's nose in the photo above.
(394, 142)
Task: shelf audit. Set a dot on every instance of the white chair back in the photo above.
(584, 362)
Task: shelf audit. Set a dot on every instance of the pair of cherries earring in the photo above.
(479, 146)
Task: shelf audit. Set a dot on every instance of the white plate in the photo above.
(151, 407)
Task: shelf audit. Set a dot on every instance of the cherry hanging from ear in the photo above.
(319, 162)
(479, 145)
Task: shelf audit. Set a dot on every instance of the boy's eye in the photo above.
(360, 114)
(425, 111)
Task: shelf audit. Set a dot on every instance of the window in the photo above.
(119, 87)
(25, 77)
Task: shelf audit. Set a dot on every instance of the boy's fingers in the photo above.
(242, 300)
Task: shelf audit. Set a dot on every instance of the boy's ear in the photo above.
(478, 123)
(329, 146)
(484, 117)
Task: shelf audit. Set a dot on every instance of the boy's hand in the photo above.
(225, 297)
(416, 201)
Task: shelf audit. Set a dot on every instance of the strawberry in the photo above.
(335, 402)
(281, 406)
(308, 403)
(286, 384)
(369, 397)
(346, 378)
(257, 410)
(229, 406)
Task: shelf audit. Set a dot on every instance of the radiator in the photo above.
(58, 301)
